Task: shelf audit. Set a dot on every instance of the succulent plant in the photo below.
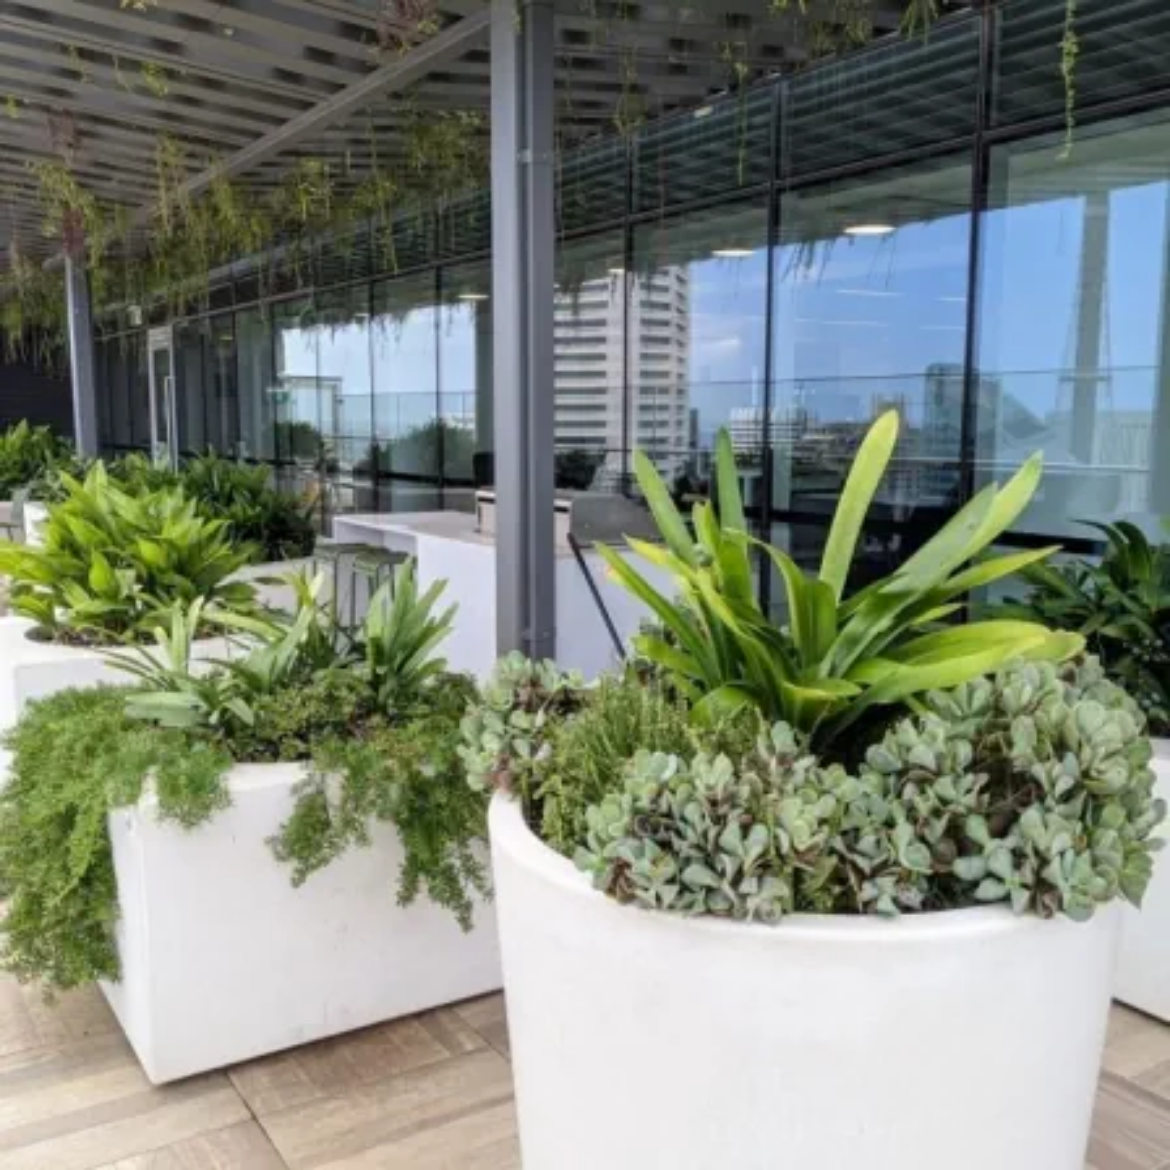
(1031, 788)
(503, 733)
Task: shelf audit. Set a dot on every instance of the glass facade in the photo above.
(906, 227)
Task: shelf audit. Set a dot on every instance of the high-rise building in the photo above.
(593, 412)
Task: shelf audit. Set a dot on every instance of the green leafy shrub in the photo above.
(379, 744)
(112, 565)
(276, 526)
(26, 453)
(839, 658)
(74, 757)
(1031, 789)
(1121, 607)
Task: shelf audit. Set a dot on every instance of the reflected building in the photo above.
(593, 412)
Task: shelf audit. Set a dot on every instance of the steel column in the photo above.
(523, 274)
(81, 359)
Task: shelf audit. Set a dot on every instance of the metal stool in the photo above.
(331, 555)
(374, 565)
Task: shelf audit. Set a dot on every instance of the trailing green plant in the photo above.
(113, 565)
(1031, 789)
(26, 452)
(75, 757)
(1122, 608)
(839, 657)
(372, 751)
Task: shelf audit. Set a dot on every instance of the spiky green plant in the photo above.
(839, 656)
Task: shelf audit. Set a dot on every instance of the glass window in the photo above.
(698, 306)
(591, 421)
(405, 328)
(135, 347)
(296, 394)
(347, 402)
(871, 307)
(1074, 348)
(465, 383)
(257, 384)
(193, 386)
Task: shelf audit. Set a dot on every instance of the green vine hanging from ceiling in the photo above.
(186, 237)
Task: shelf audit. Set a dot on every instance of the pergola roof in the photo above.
(249, 85)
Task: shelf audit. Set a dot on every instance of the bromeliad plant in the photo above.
(839, 657)
(373, 715)
(113, 565)
(1121, 607)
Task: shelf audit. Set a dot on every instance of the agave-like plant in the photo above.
(838, 656)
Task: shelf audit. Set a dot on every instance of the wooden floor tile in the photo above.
(489, 1017)
(361, 1126)
(334, 1067)
(28, 1021)
(1131, 1128)
(1136, 1043)
(240, 1147)
(484, 1140)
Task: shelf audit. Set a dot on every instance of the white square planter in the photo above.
(223, 960)
(1143, 971)
(31, 670)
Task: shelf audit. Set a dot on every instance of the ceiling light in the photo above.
(472, 296)
(866, 292)
(617, 272)
(733, 253)
(871, 229)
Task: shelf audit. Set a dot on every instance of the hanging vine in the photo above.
(440, 157)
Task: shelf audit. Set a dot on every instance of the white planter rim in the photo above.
(510, 833)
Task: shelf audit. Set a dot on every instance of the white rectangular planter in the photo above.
(223, 960)
(31, 670)
(1143, 971)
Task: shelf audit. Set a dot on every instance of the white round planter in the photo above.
(1143, 971)
(965, 1041)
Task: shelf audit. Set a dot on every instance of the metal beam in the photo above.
(397, 75)
(523, 270)
(81, 359)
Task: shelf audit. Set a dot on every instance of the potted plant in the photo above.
(223, 851)
(109, 569)
(826, 894)
(1122, 607)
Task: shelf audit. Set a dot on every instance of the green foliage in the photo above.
(74, 758)
(1032, 789)
(838, 658)
(1121, 607)
(26, 452)
(275, 525)
(401, 634)
(408, 775)
(113, 565)
(279, 525)
(377, 744)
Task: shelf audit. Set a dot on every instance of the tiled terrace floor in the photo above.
(430, 1093)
